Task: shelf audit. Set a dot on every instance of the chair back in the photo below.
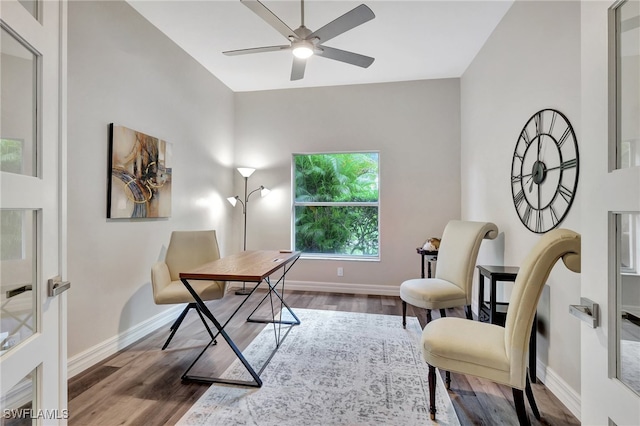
(533, 274)
(458, 252)
(190, 249)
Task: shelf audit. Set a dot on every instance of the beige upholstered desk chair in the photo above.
(453, 280)
(500, 353)
(187, 250)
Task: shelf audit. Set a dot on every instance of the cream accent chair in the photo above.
(452, 285)
(500, 353)
(186, 250)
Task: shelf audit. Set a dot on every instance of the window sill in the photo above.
(338, 258)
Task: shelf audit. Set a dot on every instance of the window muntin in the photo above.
(336, 205)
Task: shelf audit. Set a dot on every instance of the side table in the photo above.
(429, 256)
(495, 312)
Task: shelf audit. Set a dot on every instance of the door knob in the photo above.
(57, 286)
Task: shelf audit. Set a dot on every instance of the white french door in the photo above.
(610, 73)
(33, 378)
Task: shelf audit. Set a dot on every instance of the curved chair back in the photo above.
(528, 287)
(190, 249)
(459, 250)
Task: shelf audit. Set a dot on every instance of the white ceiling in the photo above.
(410, 40)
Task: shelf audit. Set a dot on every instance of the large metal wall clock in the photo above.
(544, 170)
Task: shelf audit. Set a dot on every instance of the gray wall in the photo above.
(416, 128)
(121, 69)
(530, 62)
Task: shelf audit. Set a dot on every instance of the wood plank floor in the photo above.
(141, 385)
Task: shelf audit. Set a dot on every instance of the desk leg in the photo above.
(273, 290)
(422, 264)
(257, 382)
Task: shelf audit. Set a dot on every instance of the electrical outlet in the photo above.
(340, 272)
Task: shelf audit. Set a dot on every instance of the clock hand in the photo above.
(539, 147)
(531, 186)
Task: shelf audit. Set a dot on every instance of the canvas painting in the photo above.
(139, 175)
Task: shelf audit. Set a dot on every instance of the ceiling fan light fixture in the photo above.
(303, 49)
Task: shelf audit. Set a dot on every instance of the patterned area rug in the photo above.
(336, 368)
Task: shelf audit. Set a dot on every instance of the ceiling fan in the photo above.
(305, 43)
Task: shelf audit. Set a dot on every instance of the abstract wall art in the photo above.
(139, 175)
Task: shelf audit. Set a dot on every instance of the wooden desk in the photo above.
(495, 312)
(248, 266)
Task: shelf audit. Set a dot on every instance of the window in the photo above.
(336, 203)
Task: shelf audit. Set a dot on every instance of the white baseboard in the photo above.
(565, 393)
(80, 362)
(345, 288)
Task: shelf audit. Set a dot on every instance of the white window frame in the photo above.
(294, 204)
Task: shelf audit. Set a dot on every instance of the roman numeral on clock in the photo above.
(569, 164)
(519, 198)
(566, 193)
(564, 137)
(538, 120)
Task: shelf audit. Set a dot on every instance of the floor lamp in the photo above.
(246, 172)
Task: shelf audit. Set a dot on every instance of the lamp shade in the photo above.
(232, 200)
(246, 171)
(264, 191)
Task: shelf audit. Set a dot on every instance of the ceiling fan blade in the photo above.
(349, 20)
(297, 70)
(257, 50)
(269, 17)
(345, 56)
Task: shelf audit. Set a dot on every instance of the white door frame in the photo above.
(604, 400)
(46, 350)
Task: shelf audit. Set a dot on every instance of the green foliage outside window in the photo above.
(11, 155)
(336, 204)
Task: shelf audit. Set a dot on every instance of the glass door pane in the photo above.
(628, 300)
(18, 286)
(627, 93)
(18, 91)
(18, 403)
(32, 6)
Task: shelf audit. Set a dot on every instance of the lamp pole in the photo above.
(246, 172)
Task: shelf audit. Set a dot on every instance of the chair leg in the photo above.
(518, 399)
(177, 323)
(532, 401)
(429, 318)
(432, 392)
(468, 312)
(404, 314)
(443, 313)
